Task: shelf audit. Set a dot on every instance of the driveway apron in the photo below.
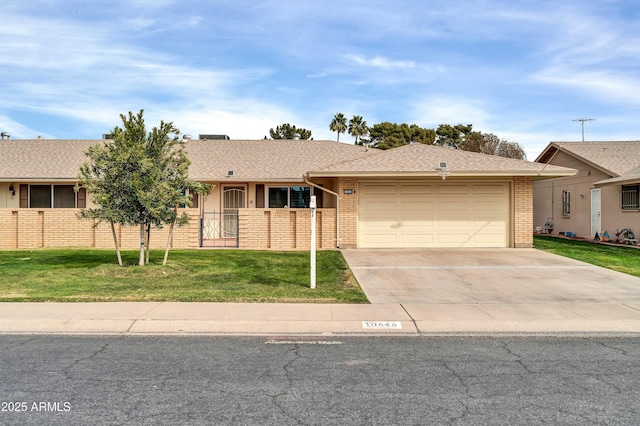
(486, 276)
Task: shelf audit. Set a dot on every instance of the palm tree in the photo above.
(358, 127)
(338, 124)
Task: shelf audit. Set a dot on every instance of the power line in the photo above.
(582, 120)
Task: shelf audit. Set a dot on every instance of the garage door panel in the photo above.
(445, 238)
(377, 225)
(416, 208)
(433, 215)
(416, 189)
(453, 189)
(419, 237)
(486, 238)
(378, 189)
(488, 189)
(373, 238)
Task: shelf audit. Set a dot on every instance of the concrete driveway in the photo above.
(486, 276)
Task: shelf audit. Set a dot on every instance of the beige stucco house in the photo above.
(602, 196)
(413, 196)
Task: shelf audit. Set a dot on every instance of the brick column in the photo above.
(523, 212)
(348, 212)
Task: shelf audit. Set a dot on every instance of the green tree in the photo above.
(358, 127)
(338, 124)
(287, 131)
(388, 135)
(452, 136)
(138, 179)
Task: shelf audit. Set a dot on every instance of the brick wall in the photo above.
(48, 228)
(523, 212)
(285, 228)
(348, 212)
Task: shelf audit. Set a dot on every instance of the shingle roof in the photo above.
(251, 160)
(264, 160)
(260, 160)
(632, 175)
(613, 157)
(42, 159)
(424, 160)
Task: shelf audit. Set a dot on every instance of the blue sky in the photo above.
(520, 69)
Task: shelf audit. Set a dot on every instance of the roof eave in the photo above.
(437, 174)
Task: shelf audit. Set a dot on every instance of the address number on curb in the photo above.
(393, 325)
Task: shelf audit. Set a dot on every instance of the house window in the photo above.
(630, 199)
(46, 196)
(64, 197)
(293, 196)
(40, 196)
(299, 197)
(566, 203)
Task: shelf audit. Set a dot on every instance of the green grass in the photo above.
(618, 258)
(72, 275)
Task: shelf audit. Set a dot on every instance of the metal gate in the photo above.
(219, 229)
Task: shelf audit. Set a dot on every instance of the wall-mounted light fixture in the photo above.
(12, 189)
(347, 191)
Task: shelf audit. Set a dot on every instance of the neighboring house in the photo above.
(412, 196)
(602, 196)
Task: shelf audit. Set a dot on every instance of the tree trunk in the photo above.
(170, 237)
(166, 251)
(141, 259)
(115, 241)
(148, 242)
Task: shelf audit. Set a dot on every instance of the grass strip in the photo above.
(92, 275)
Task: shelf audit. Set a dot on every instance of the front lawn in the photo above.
(81, 275)
(619, 258)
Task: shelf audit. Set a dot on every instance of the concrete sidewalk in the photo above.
(175, 318)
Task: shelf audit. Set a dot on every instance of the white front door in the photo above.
(596, 213)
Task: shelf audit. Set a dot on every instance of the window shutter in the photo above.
(319, 194)
(194, 201)
(260, 196)
(24, 196)
(82, 198)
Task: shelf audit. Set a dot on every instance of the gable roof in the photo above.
(263, 160)
(614, 158)
(271, 160)
(251, 160)
(42, 159)
(424, 160)
(632, 175)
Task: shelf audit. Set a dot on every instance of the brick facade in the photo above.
(284, 229)
(348, 212)
(280, 229)
(49, 228)
(523, 212)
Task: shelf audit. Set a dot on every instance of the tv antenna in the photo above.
(582, 120)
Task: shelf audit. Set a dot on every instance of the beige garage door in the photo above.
(433, 215)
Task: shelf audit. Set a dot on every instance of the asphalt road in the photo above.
(298, 381)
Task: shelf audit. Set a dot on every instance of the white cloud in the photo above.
(610, 86)
(382, 62)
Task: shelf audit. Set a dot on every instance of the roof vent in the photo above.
(186, 137)
(443, 165)
(107, 136)
(229, 173)
(296, 136)
(5, 135)
(214, 137)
